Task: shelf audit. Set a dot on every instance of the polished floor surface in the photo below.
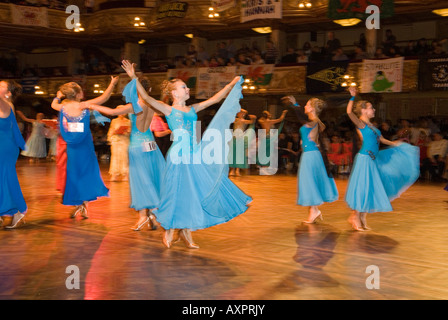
(265, 254)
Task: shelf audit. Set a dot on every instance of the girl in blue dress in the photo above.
(146, 162)
(83, 182)
(314, 184)
(377, 177)
(195, 194)
(12, 202)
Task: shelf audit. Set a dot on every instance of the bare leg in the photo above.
(188, 239)
(168, 237)
(142, 221)
(314, 213)
(17, 221)
(363, 219)
(355, 221)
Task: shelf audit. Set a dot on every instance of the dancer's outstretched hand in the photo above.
(129, 67)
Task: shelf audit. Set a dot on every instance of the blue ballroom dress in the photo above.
(146, 167)
(11, 197)
(314, 185)
(84, 181)
(198, 194)
(378, 177)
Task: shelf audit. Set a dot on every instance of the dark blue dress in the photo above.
(84, 182)
(11, 141)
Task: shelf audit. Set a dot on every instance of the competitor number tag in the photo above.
(149, 146)
(75, 127)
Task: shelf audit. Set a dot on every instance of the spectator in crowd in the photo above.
(231, 49)
(202, 54)
(271, 53)
(409, 50)
(191, 53)
(379, 54)
(332, 44)
(422, 47)
(242, 60)
(89, 5)
(437, 151)
(307, 48)
(362, 42)
(301, 57)
(221, 50)
(290, 56)
(316, 55)
(339, 55)
(387, 131)
(390, 41)
(258, 59)
(360, 54)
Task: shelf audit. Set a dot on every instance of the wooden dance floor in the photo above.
(265, 254)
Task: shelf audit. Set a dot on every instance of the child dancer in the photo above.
(194, 195)
(377, 177)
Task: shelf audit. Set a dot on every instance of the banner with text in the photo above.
(433, 73)
(382, 75)
(222, 5)
(211, 80)
(347, 9)
(29, 16)
(260, 9)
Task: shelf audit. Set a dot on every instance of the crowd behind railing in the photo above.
(94, 62)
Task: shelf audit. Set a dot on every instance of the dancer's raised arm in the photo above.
(221, 94)
(156, 104)
(107, 93)
(350, 112)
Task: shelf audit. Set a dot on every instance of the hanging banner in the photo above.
(325, 76)
(347, 9)
(433, 73)
(211, 80)
(260, 9)
(187, 75)
(222, 5)
(261, 75)
(29, 16)
(173, 9)
(382, 75)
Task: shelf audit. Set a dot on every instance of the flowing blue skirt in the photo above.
(145, 177)
(84, 181)
(373, 184)
(182, 198)
(314, 185)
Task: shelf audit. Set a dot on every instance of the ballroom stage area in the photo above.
(267, 253)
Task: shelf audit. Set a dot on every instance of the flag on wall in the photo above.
(29, 16)
(325, 76)
(187, 75)
(260, 9)
(261, 75)
(347, 9)
(382, 75)
(433, 73)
